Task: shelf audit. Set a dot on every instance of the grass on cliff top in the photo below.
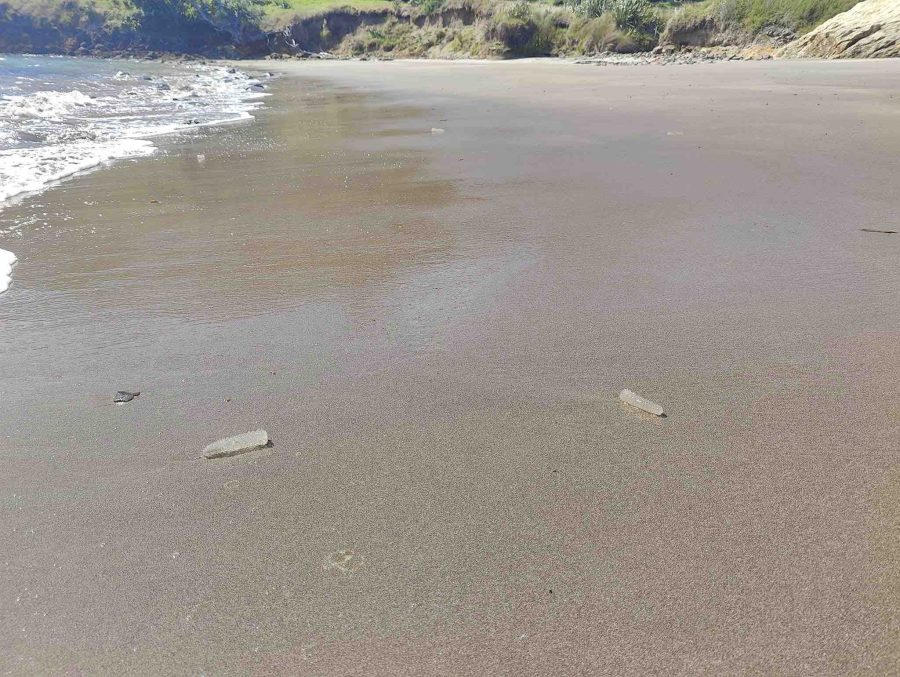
(281, 10)
(118, 13)
(114, 12)
(753, 15)
(278, 12)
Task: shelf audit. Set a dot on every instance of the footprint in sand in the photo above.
(345, 561)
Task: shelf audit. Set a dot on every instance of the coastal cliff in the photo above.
(871, 29)
(79, 27)
(449, 28)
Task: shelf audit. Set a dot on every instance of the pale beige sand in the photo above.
(434, 330)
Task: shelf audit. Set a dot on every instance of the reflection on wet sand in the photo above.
(313, 208)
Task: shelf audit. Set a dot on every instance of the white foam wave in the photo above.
(50, 135)
(44, 104)
(29, 170)
(243, 115)
(7, 261)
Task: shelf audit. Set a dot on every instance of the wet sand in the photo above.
(434, 329)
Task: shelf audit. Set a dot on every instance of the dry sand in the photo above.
(434, 329)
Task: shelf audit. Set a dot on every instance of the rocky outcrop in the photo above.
(684, 30)
(692, 30)
(317, 33)
(871, 29)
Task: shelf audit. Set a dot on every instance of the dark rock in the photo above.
(125, 396)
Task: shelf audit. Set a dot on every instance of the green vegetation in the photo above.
(79, 26)
(280, 12)
(437, 28)
(114, 13)
(627, 14)
(596, 35)
(799, 15)
(638, 22)
(753, 15)
(132, 13)
(124, 11)
(400, 38)
(512, 28)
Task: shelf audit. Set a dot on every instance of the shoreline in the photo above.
(94, 148)
(434, 329)
(670, 54)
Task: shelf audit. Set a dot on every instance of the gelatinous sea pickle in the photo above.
(639, 402)
(239, 444)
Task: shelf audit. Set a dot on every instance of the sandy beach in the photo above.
(428, 282)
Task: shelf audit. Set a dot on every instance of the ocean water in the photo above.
(61, 115)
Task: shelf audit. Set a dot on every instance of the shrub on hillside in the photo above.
(627, 14)
(428, 6)
(525, 30)
(596, 35)
(751, 16)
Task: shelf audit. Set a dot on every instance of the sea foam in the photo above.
(7, 261)
(45, 104)
(74, 116)
(33, 169)
(48, 135)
